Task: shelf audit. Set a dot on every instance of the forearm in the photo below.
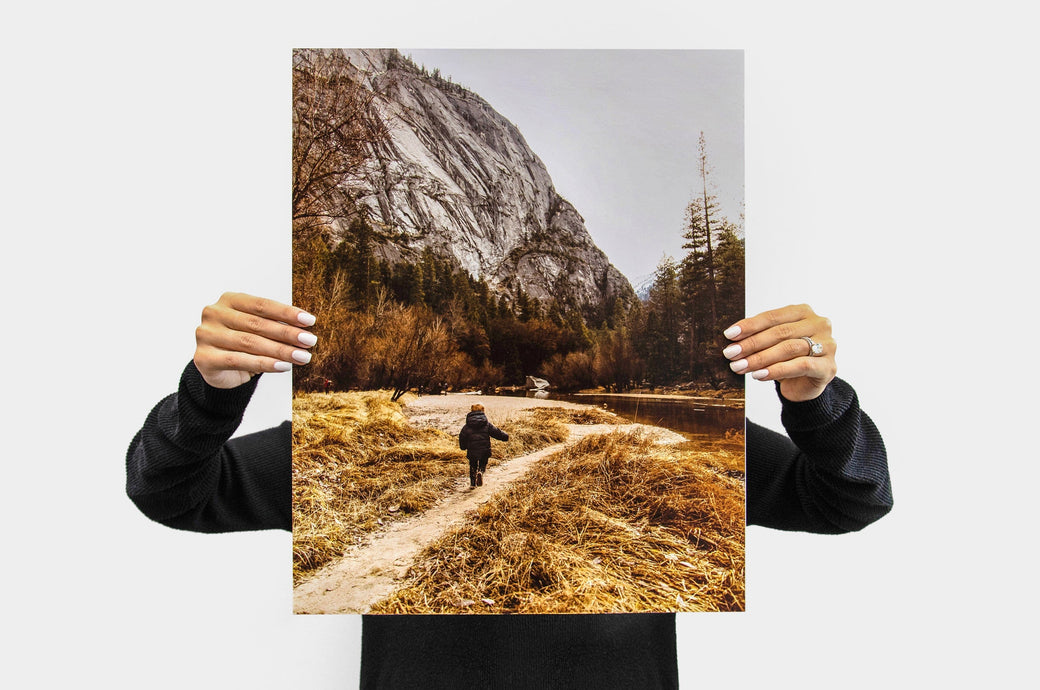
(830, 476)
(183, 471)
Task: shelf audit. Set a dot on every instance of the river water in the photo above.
(695, 418)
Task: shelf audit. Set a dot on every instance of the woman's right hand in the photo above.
(242, 335)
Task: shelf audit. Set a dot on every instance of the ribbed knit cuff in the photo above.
(225, 402)
(822, 410)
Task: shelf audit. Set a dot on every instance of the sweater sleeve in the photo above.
(497, 433)
(830, 476)
(184, 472)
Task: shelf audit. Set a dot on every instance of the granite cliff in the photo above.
(457, 177)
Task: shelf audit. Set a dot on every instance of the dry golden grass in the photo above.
(527, 434)
(726, 453)
(565, 415)
(358, 464)
(613, 524)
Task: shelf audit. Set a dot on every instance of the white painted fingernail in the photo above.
(301, 356)
(282, 366)
(307, 339)
(731, 351)
(738, 366)
(732, 332)
(760, 374)
(305, 318)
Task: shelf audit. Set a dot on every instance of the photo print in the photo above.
(521, 263)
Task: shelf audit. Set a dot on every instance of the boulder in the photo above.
(536, 384)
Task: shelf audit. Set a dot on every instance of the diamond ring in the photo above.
(815, 349)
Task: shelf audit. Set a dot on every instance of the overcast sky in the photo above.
(617, 131)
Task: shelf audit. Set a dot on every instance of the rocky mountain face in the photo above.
(457, 177)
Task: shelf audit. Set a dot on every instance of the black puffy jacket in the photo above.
(475, 437)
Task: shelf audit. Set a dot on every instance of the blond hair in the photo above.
(477, 407)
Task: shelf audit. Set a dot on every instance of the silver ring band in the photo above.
(815, 349)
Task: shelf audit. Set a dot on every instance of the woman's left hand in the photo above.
(772, 347)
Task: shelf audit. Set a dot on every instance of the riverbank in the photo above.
(448, 412)
(728, 395)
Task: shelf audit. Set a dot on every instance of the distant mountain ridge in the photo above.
(457, 177)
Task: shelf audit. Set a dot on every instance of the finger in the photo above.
(781, 352)
(816, 327)
(272, 330)
(214, 359)
(266, 308)
(822, 368)
(243, 342)
(767, 319)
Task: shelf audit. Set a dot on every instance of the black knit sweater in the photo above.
(182, 470)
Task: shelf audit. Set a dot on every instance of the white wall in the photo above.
(891, 165)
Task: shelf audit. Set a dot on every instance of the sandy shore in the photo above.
(448, 412)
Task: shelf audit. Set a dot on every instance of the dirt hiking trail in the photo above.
(369, 572)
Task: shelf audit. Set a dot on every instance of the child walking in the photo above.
(475, 438)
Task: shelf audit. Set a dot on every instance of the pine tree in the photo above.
(363, 273)
(730, 261)
(711, 278)
(661, 346)
(417, 285)
(702, 225)
(428, 275)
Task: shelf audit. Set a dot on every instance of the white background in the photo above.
(891, 179)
